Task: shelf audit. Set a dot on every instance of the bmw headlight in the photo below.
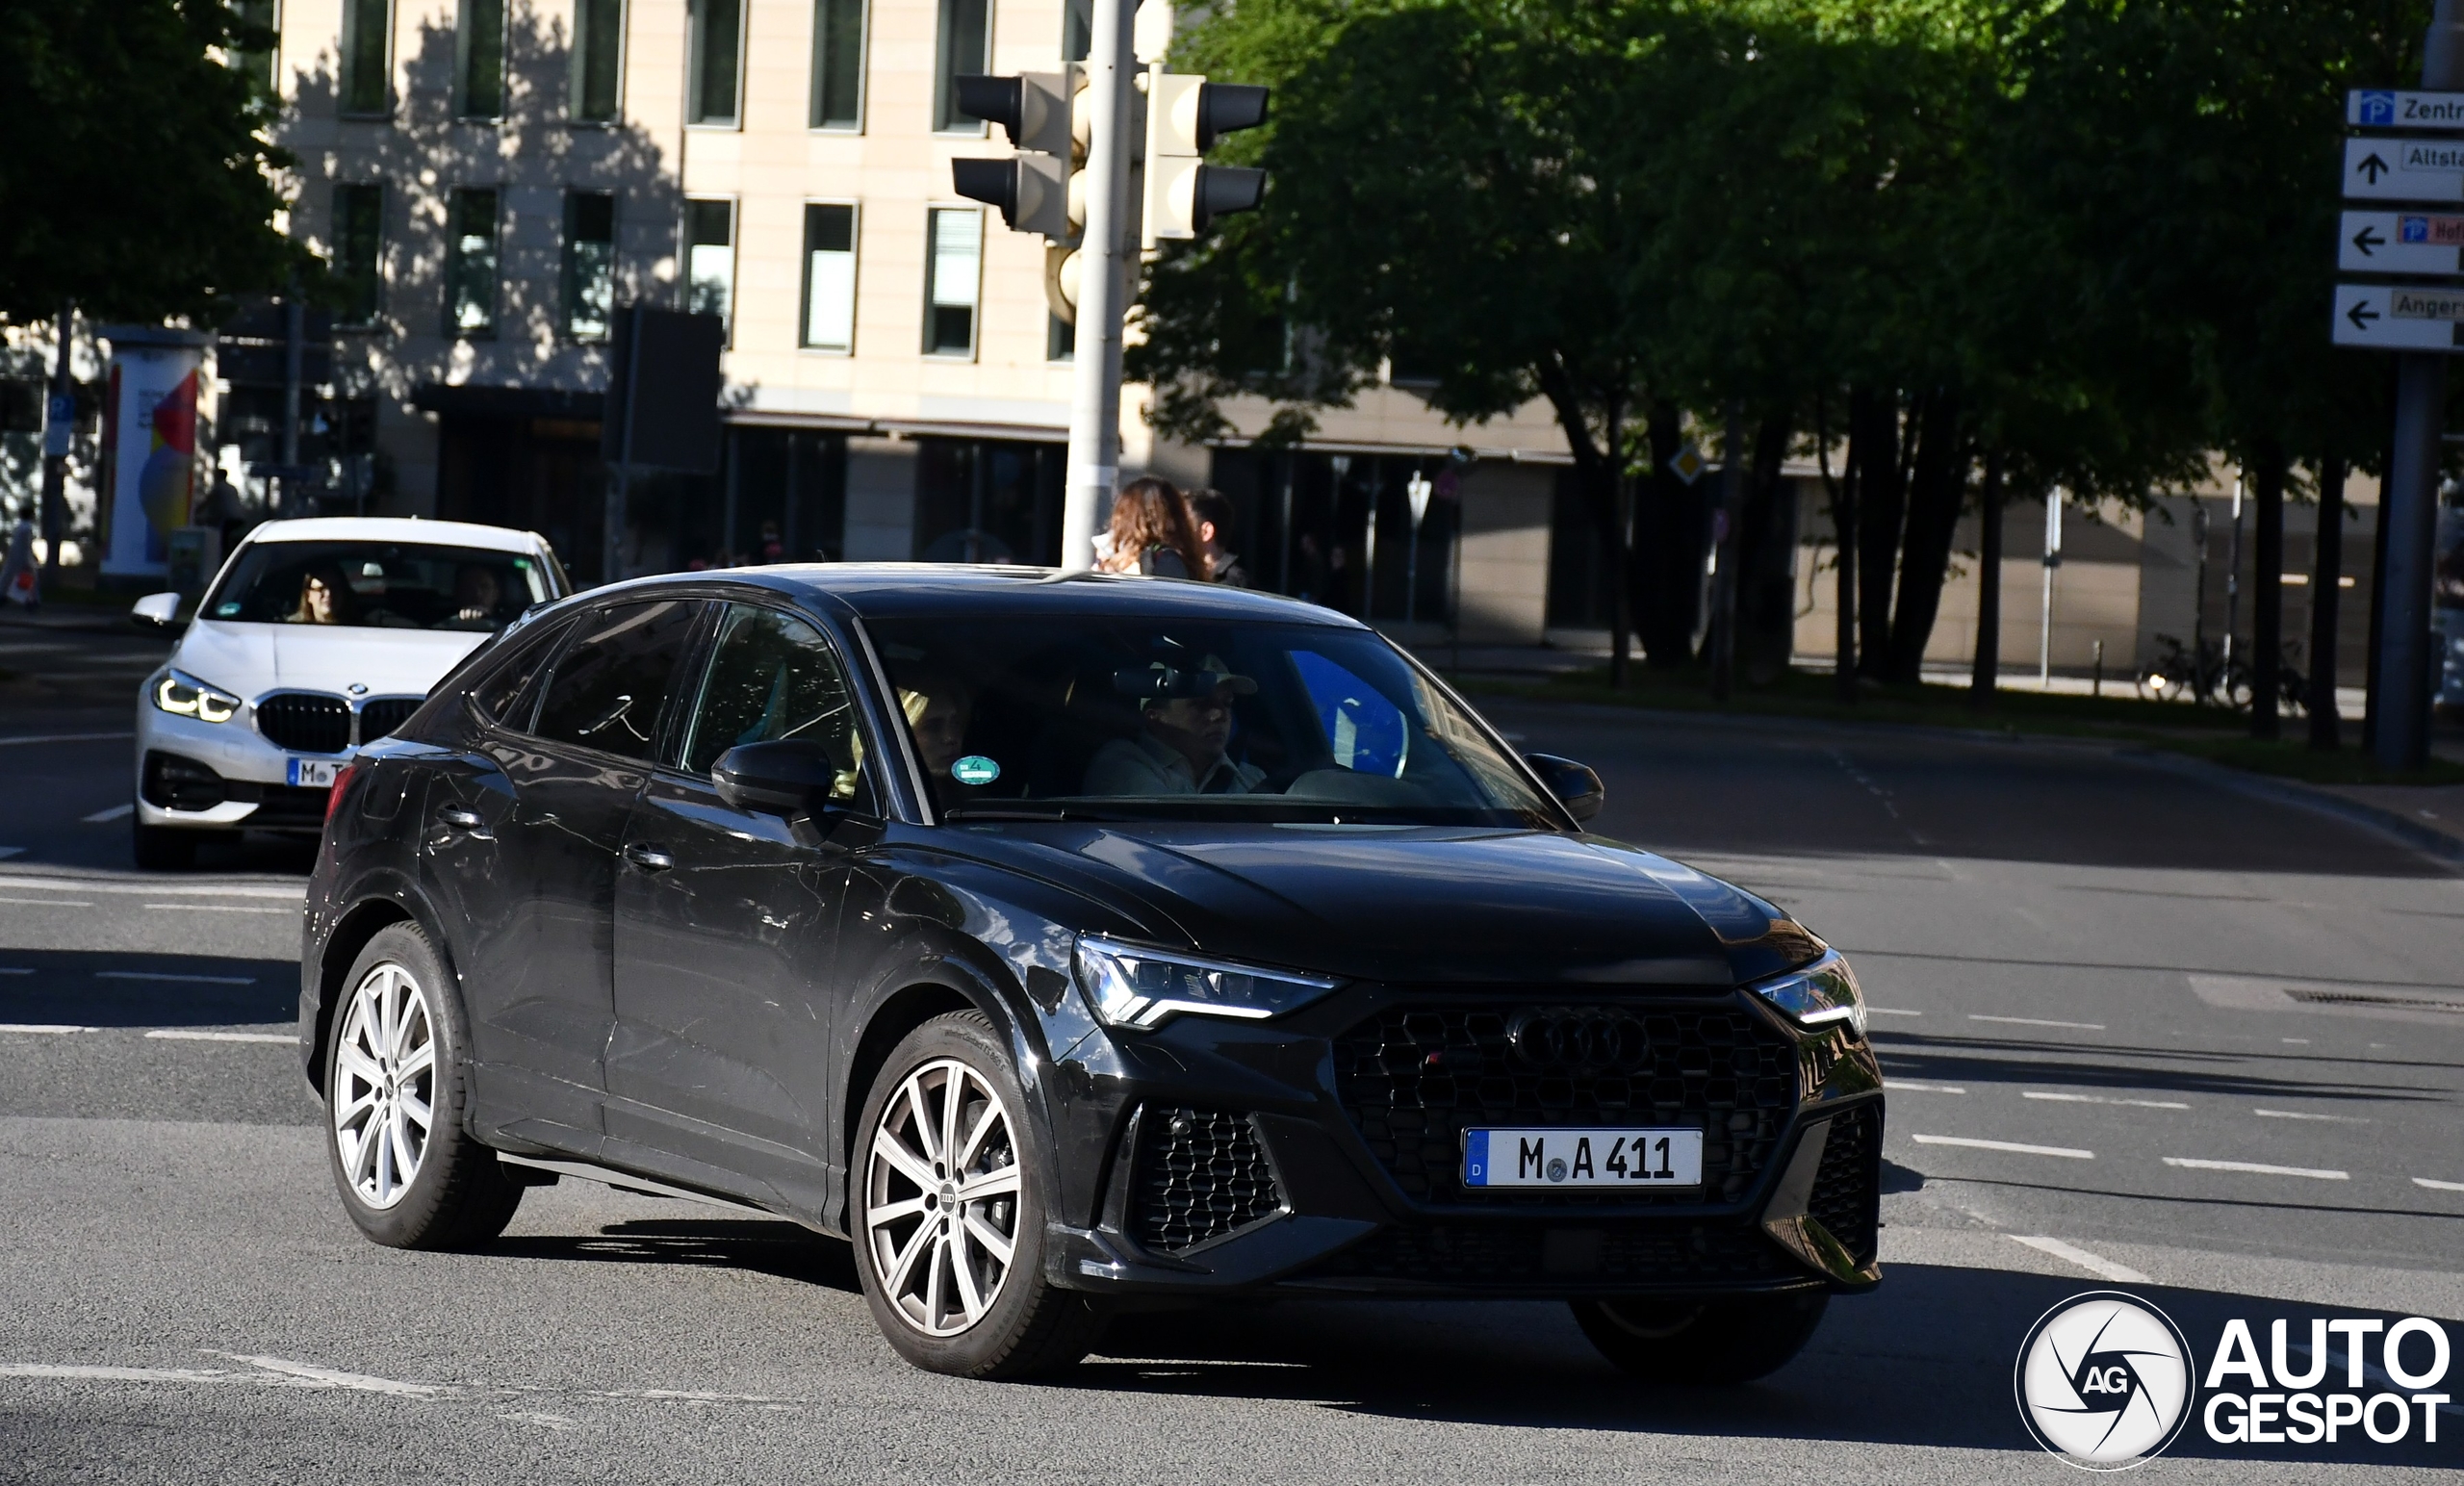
(1822, 993)
(183, 695)
(1131, 986)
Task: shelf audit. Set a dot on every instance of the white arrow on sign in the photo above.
(2404, 169)
(2397, 316)
(2401, 242)
(2394, 108)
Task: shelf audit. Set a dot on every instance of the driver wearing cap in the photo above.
(1185, 721)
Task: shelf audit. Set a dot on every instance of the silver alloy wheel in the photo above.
(384, 1094)
(941, 1198)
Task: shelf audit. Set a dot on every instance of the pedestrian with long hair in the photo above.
(1153, 532)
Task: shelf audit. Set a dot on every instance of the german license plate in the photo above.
(313, 773)
(1587, 1158)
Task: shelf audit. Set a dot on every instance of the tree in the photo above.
(135, 166)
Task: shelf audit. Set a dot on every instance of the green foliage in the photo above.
(134, 166)
(2095, 236)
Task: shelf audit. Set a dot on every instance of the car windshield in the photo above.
(1106, 717)
(381, 585)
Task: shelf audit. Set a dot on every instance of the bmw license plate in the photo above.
(1590, 1158)
(313, 773)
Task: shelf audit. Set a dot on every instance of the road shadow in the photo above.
(2014, 1061)
(761, 1245)
(1723, 788)
(125, 988)
(1926, 1360)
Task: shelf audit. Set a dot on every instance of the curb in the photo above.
(2405, 830)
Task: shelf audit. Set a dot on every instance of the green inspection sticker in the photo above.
(975, 769)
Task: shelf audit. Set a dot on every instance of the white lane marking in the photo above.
(45, 1028)
(1923, 1089)
(555, 1422)
(52, 903)
(216, 907)
(2258, 1169)
(181, 1034)
(2341, 1120)
(16, 969)
(12, 850)
(2294, 1041)
(2067, 1152)
(2037, 1021)
(312, 1375)
(105, 817)
(1890, 1010)
(2094, 1264)
(27, 880)
(2438, 1185)
(64, 738)
(2142, 1104)
(185, 980)
(88, 1374)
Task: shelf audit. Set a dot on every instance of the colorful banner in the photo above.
(149, 438)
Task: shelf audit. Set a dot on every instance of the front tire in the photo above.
(397, 1083)
(949, 1211)
(1723, 1341)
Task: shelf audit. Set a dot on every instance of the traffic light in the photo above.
(1184, 115)
(1041, 189)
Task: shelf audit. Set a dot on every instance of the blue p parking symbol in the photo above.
(2378, 107)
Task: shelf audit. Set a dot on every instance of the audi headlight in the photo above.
(1131, 986)
(183, 695)
(1822, 993)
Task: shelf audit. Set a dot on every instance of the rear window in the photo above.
(379, 585)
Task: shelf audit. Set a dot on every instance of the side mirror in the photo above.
(1574, 786)
(155, 611)
(784, 778)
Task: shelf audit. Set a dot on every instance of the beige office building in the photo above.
(492, 176)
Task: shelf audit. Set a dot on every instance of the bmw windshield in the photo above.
(1106, 717)
(379, 585)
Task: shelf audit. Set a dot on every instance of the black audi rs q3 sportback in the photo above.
(1069, 944)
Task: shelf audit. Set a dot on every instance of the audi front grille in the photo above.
(1415, 1077)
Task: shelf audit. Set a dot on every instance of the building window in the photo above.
(478, 59)
(829, 278)
(839, 64)
(598, 59)
(359, 240)
(966, 33)
(952, 271)
(590, 263)
(1077, 29)
(368, 34)
(257, 65)
(470, 265)
(718, 43)
(709, 257)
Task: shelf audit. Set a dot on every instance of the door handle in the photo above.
(461, 819)
(649, 859)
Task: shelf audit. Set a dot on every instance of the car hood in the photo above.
(1419, 905)
(253, 660)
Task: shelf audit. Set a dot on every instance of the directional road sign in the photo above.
(2380, 169)
(2390, 107)
(2399, 316)
(2401, 242)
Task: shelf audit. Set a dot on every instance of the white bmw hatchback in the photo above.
(315, 638)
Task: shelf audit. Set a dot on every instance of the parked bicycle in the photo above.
(2209, 679)
(2205, 677)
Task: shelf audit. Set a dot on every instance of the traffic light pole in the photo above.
(1095, 401)
(2408, 506)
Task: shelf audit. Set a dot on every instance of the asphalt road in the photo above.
(2140, 1030)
